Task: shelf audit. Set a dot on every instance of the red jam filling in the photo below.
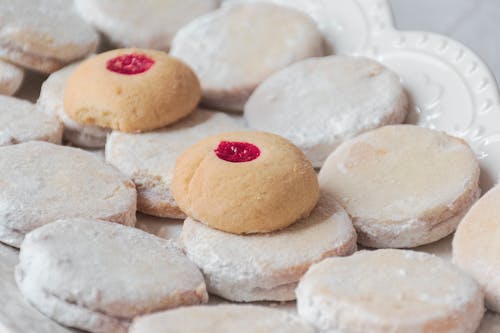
(130, 64)
(237, 152)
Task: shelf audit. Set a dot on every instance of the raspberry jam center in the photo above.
(130, 64)
(237, 152)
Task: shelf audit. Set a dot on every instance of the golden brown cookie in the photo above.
(131, 90)
(245, 182)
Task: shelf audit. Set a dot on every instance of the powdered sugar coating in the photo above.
(11, 78)
(476, 245)
(104, 274)
(51, 101)
(320, 102)
(145, 24)
(33, 34)
(237, 57)
(21, 121)
(403, 185)
(268, 266)
(221, 319)
(149, 158)
(389, 291)
(43, 182)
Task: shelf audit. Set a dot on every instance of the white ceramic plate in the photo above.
(449, 86)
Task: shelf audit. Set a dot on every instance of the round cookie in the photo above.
(389, 291)
(245, 182)
(131, 90)
(320, 102)
(51, 101)
(11, 78)
(149, 158)
(267, 267)
(476, 244)
(42, 182)
(21, 121)
(403, 185)
(95, 275)
(124, 23)
(35, 34)
(238, 57)
(221, 319)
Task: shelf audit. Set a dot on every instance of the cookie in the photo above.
(149, 158)
(245, 182)
(221, 319)
(35, 34)
(389, 291)
(232, 58)
(147, 24)
(11, 78)
(96, 276)
(131, 90)
(403, 185)
(318, 103)
(342, 36)
(476, 243)
(268, 266)
(21, 121)
(42, 182)
(51, 102)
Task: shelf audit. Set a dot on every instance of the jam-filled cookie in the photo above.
(233, 49)
(131, 90)
(245, 182)
(149, 158)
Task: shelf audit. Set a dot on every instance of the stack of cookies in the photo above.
(256, 218)
(259, 222)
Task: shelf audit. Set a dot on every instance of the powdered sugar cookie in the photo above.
(476, 244)
(245, 182)
(131, 90)
(149, 24)
(11, 78)
(51, 102)
(268, 266)
(231, 58)
(43, 182)
(221, 319)
(403, 185)
(318, 103)
(21, 121)
(149, 158)
(389, 291)
(95, 275)
(34, 34)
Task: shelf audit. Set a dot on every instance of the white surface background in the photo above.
(475, 23)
